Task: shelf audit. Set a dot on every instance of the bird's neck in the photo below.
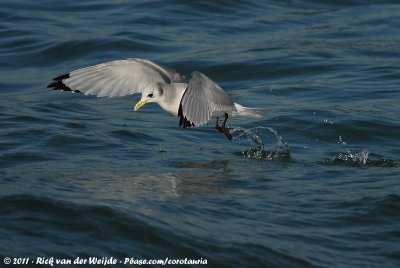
(173, 97)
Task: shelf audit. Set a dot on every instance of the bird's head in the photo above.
(150, 94)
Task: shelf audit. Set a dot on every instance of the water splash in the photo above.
(361, 159)
(255, 137)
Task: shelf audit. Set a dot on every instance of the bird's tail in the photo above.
(248, 112)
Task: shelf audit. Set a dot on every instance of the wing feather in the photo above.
(115, 78)
(202, 98)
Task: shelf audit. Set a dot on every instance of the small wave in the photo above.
(23, 157)
(41, 217)
(125, 134)
(51, 227)
(371, 210)
(254, 137)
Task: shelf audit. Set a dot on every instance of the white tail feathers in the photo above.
(248, 112)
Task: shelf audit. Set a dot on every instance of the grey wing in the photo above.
(202, 98)
(115, 78)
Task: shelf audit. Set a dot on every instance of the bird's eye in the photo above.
(150, 95)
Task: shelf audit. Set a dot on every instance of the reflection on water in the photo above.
(106, 185)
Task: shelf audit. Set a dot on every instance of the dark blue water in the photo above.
(314, 183)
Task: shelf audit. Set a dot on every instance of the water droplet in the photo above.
(360, 158)
(254, 137)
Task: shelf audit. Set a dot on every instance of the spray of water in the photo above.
(361, 159)
(358, 159)
(255, 140)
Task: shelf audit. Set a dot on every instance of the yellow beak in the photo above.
(139, 104)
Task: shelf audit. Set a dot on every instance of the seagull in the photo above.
(195, 102)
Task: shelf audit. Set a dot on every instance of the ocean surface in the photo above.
(314, 183)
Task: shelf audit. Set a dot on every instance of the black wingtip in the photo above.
(58, 84)
(183, 122)
(61, 77)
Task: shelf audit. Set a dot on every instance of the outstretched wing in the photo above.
(115, 78)
(202, 98)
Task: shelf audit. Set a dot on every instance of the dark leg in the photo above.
(226, 119)
(224, 129)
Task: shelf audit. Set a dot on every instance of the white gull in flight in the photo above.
(194, 102)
